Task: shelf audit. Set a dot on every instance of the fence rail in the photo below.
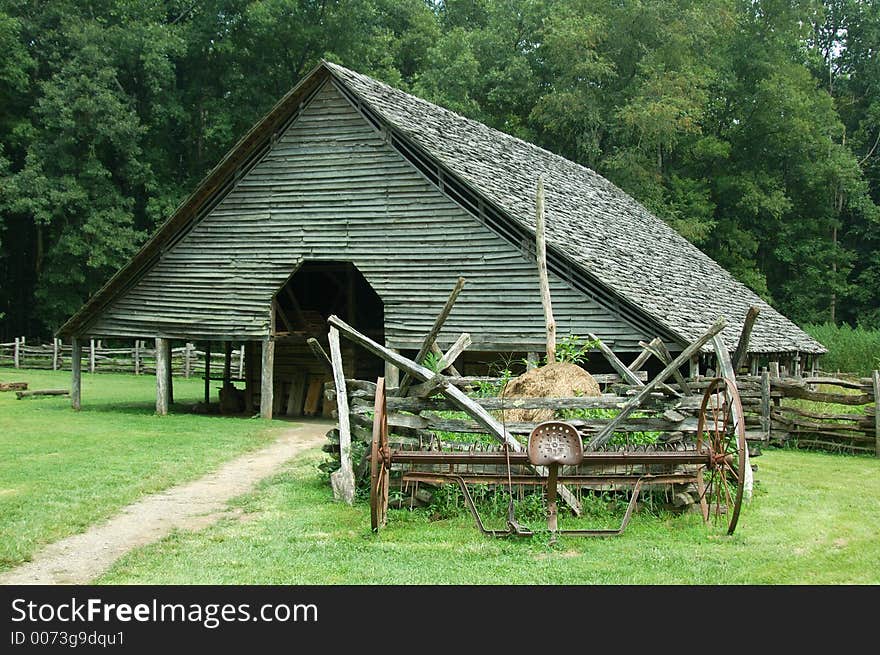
(139, 358)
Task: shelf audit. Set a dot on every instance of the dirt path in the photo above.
(81, 558)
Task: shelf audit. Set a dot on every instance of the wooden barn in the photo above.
(354, 198)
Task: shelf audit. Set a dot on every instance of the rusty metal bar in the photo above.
(595, 457)
(528, 480)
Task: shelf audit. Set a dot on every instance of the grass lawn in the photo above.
(815, 518)
(61, 471)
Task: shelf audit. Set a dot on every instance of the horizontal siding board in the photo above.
(332, 189)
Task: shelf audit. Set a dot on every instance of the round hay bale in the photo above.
(559, 380)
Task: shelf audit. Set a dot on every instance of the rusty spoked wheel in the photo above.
(380, 466)
(721, 435)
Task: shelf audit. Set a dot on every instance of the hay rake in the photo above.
(714, 466)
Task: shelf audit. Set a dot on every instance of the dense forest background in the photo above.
(751, 126)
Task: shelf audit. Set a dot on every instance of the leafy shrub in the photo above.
(850, 350)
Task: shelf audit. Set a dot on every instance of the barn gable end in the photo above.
(331, 189)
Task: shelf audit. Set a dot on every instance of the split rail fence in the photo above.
(798, 411)
(139, 358)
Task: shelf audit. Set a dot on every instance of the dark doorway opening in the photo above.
(320, 289)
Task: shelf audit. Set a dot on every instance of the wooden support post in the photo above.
(54, 354)
(875, 379)
(633, 404)
(16, 354)
(774, 370)
(742, 347)
(765, 404)
(267, 386)
(753, 365)
(170, 370)
(249, 378)
(136, 354)
(207, 373)
(76, 374)
(342, 480)
(796, 364)
(91, 355)
(432, 335)
(241, 362)
(456, 396)
(162, 374)
(531, 360)
(543, 276)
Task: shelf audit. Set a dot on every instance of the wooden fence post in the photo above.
(875, 379)
(187, 363)
(765, 404)
(342, 480)
(76, 373)
(774, 370)
(392, 373)
(137, 357)
(16, 356)
(54, 354)
(91, 356)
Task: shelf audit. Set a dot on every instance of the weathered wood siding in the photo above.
(332, 189)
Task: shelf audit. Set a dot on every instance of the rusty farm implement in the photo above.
(705, 457)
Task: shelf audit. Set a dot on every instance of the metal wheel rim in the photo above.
(724, 437)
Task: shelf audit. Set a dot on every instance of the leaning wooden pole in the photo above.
(341, 480)
(432, 335)
(543, 276)
(742, 347)
(725, 364)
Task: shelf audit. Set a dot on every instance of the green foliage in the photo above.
(750, 126)
(618, 438)
(573, 349)
(850, 350)
(432, 361)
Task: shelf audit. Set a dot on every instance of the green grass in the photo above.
(814, 519)
(61, 471)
